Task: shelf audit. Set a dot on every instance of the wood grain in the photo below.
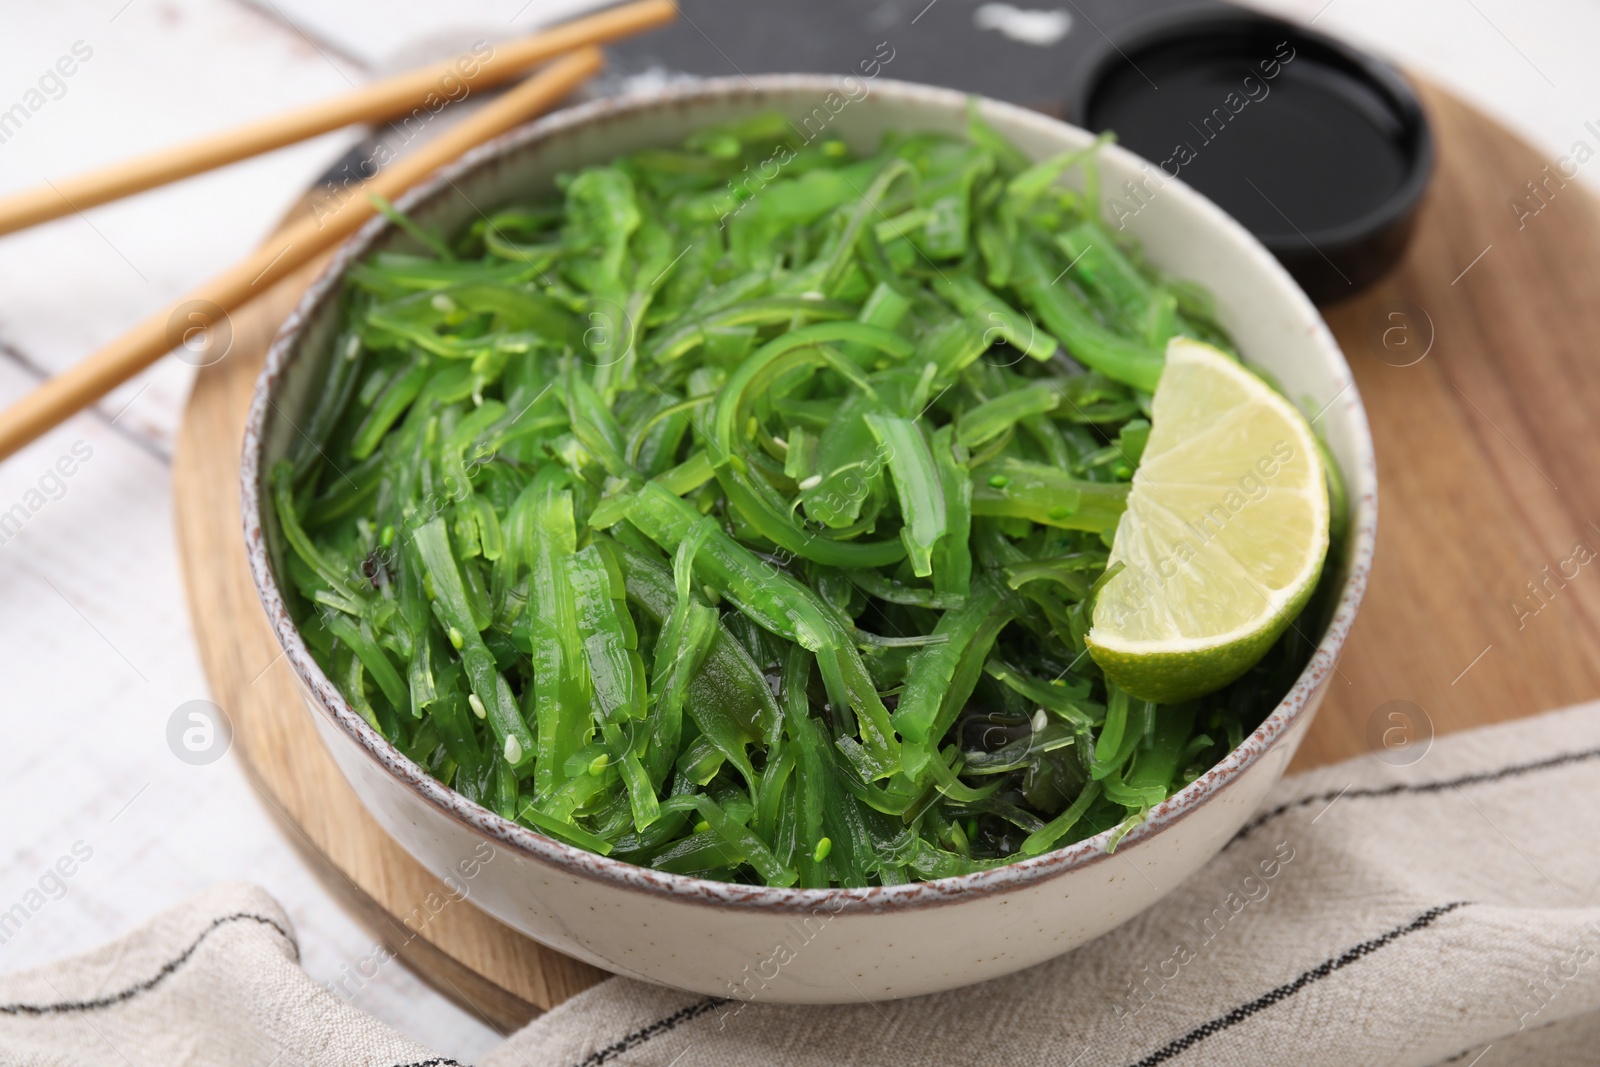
(1487, 458)
(1488, 455)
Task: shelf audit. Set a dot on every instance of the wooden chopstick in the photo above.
(82, 385)
(373, 103)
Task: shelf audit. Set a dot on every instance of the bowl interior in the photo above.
(1272, 321)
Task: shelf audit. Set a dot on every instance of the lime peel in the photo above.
(1225, 534)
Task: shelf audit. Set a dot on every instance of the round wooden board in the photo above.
(1487, 457)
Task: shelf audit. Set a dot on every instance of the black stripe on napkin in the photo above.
(148, 984)
(654, 1030)
(1289, 989)
(166, 971)
(1477, 778)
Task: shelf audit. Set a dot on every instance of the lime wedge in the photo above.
(1224, 537)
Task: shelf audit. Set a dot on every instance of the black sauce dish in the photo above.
(1320, 150)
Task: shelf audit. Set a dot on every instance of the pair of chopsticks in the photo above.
(579, 58)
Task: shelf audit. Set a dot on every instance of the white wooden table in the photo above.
(97, 643)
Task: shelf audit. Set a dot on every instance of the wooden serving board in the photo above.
(1488, 458)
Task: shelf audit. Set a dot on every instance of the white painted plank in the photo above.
(383, 33)
(161, 72)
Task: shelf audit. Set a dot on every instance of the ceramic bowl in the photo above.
(815, 945)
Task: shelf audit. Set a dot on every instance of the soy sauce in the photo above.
(1287, 143)
(1320, 150)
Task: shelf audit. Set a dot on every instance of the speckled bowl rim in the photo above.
(683, 888)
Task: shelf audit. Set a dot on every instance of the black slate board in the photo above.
(938, 43)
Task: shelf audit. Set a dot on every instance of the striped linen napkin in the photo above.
(1447, 911)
